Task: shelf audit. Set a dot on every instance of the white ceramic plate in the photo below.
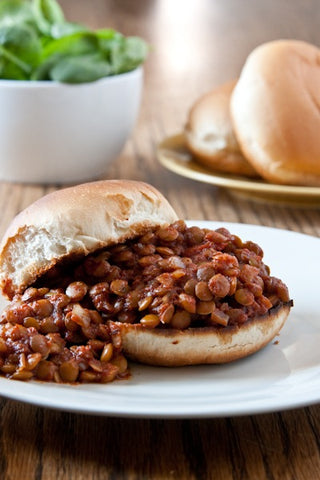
(284, 375)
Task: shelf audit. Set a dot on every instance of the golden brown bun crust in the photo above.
(76, 221)
(194, 346)
(275, 112)
(209, 133)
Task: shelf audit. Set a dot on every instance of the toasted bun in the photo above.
(275, 112)
(76, 221)
(209, 133)
(194, 346)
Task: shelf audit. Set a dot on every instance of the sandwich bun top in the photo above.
(74, 222)
(275, 112)
(210, 136)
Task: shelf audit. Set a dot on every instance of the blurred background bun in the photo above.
(275, 109)
(209, 133)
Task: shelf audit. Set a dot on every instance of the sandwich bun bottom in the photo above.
(210, 136)
(204, 345)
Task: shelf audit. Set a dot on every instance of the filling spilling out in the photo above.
(64, 328)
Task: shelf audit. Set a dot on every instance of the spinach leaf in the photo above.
(21, 50)
(56, 50)
(59, 30)
(126, 53)
(134, 51)
(74, 44)
(47, 13)
(16, 11)
(12, 67)
(42, 72)
(80, 69)
(37, 43)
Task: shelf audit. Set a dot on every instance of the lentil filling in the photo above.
(63, 329)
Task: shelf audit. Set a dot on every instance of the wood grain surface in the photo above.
(195, 46)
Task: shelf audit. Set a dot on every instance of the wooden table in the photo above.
(195, 46)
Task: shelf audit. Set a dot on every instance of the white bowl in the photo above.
(60, 133)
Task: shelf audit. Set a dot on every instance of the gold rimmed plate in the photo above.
(174, 155)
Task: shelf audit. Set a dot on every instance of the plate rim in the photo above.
(205, 175)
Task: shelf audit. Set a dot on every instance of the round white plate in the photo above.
(284, 375)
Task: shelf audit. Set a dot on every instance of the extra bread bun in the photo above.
(275, 112)
(209, 133)
(76, 221)
(207, 345)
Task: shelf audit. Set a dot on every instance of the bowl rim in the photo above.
(53, 84)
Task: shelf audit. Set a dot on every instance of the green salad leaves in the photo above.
(38, 43)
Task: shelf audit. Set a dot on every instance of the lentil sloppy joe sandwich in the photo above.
(105, 271)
